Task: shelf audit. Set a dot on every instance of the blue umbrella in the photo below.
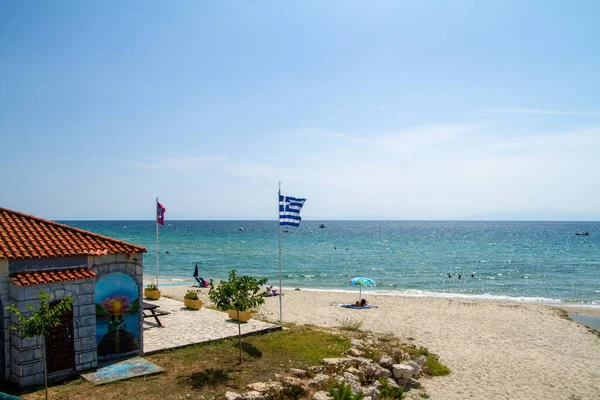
(361, 281)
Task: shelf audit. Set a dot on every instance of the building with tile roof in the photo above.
(102, 275)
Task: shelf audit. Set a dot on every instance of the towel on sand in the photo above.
(354, 306)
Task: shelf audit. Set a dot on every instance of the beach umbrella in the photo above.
(361, 281)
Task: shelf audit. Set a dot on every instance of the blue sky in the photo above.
(371, 110)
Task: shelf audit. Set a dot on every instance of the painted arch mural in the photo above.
(117, 320)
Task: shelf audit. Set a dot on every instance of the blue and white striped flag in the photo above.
(289, 210)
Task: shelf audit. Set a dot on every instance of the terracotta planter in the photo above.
(152, 294)
(194, 304)
(244, 315)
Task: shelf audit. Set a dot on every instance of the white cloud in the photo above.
(426, 172)
(537, 111)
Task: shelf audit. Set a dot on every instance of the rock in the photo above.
(233, 396)
(381, 372)
(371, 392)
(392, 383)
(318, 379)
(354, 385)
(354, 352)
(291, 381)
(275, 387)
(321, 395)
(421, 361)
(367, 368)
(357, 343)
(358, 361)
(253, 395)
(402, 371)
(337, 363)
(414, 383)
(402, 381)
(406, 357)
(358, 373)
(415, 367)
(375, 371)
(425, 370)
(315, 369)
(297, 372)
(258, 386)
(350, 377)
(387, 362)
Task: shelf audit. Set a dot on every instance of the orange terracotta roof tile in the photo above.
(50, 276)
(24, 236)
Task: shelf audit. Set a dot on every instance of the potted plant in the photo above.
(242, 316)
(191, 300)
(151, 291)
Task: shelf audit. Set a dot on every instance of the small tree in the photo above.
(238, 293)
(40, 323)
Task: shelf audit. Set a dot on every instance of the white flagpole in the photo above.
(156, 212)
(279, 234)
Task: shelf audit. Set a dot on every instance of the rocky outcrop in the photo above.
(362, 374)
(233, 396)
(321, 395)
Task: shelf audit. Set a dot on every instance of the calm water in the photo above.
(528, 261)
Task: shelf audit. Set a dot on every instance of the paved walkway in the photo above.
(185, 326)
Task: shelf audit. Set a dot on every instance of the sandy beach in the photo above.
(495, 350)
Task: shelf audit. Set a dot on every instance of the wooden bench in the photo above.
(154, 312)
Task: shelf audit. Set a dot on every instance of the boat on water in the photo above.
(582, 233)
(322, 226)
(285, 230)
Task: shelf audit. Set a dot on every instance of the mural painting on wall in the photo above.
(117, 321)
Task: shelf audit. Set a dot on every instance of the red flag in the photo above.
(160, 214)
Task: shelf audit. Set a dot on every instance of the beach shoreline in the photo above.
(591, 310)
(495, 349)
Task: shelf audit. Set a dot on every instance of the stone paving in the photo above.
(184, 326)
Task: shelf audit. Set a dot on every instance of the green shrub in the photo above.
(436, 368)
(344, 392)
(388, 392)
(351, 325)
(191, 294)
(151, 286)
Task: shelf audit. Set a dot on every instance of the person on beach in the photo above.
(363, 302)
(271, 291)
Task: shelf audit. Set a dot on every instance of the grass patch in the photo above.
(341, 391)
(352, 325)
(206, 371)
(436, 368)
(388, 392)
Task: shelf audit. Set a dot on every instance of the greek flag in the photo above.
(289, 210)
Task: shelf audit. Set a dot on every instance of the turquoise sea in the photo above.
(521, 261)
